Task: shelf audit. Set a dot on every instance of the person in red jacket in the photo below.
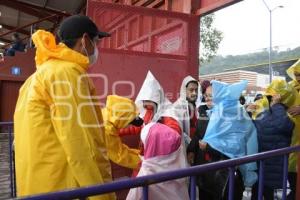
(151, 102)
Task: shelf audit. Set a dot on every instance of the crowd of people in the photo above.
(64, 139)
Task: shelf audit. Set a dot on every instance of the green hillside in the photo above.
(220, 63)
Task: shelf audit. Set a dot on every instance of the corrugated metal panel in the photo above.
(144, 33)
(208, 6)
(185, 6)
(24, 60)
(10, 84)
(9, 91)
(142, 40)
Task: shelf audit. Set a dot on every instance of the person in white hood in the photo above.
(186, 108)
(151, 102)
(151, 98)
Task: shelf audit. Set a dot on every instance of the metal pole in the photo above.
(10, 162)
(14, 160)
(285, 175)
(261, 180)
(145, 193)
(270, 37)
(31, 32)
(270, 49)
(193, 188)
(231, 183)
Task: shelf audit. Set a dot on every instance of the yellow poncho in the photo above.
(59, 134)
(291, 72)
(117, 114)
(289, 97)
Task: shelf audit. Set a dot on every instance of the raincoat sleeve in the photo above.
(117, 114)
(74, 118)
(118, 152)
(130, 130)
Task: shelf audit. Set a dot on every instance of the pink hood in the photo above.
(159, 140)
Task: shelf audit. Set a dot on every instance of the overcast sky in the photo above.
(246, 26)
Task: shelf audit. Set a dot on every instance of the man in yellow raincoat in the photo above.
(59, 133)
(294, 73)
(289, 97)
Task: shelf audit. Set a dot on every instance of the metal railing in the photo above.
(191, 172)
(7, 127)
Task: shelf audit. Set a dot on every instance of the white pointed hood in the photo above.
(151, 90)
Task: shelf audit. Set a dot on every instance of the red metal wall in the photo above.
(183, 6)
(144, 39)
(123, 72)
(199, 7)
(10, 84)
(9, 94)
(208, 6)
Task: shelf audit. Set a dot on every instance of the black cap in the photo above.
(75, 26)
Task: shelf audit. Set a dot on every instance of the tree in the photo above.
(210, 38)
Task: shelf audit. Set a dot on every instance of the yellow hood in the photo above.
(261, 106)
(46, 48)
(117, 114)
(291, 72)
(289, 95)
(294, 68)
(119, 111)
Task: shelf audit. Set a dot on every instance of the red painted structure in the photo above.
(144, 39)
(10, 84)
(199, 7)
(149, 43)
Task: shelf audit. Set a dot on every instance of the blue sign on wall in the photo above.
(16, 71)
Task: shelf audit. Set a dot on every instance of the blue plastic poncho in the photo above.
(230, 130)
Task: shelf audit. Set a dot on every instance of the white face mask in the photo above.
(94, 57)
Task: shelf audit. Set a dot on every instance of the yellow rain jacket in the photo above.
(289, 97)
(117, 114)
(59, 135)
(291, 72)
